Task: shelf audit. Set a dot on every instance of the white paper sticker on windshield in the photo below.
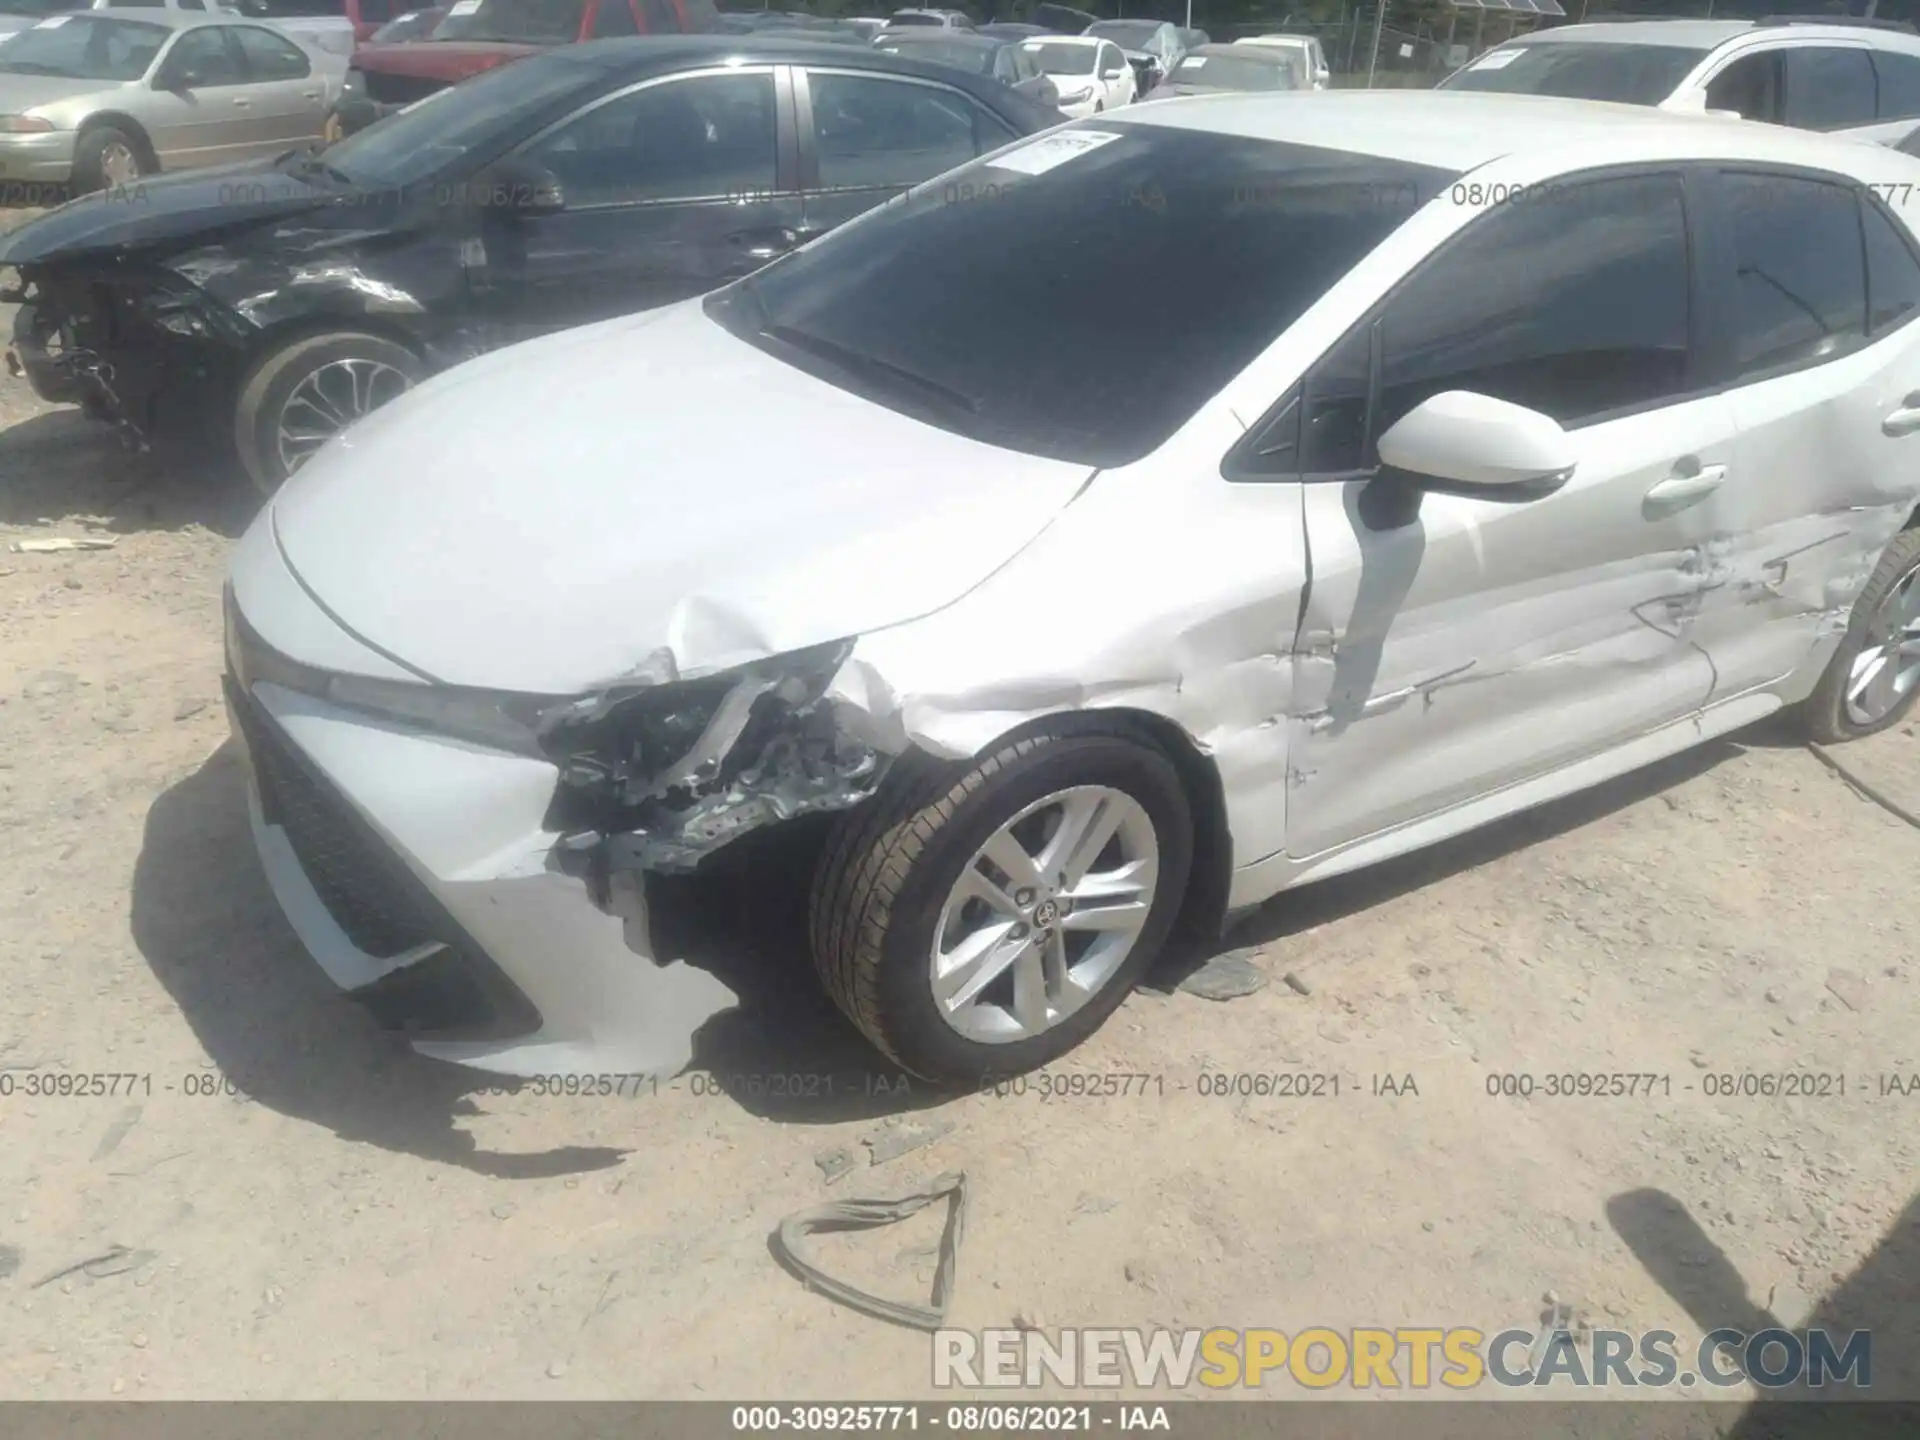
(464, 7)
(1496, 60)
(1193, 62)
(1051, 150)
(53, 22)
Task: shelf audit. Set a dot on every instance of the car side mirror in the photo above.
(184, 79)
(518, 187)
(1460, 443)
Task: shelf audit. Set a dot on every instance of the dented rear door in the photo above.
(1489, 642)
(1814, 334)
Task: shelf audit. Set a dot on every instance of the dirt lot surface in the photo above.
(356, 1221)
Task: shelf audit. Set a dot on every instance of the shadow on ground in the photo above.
(58, 466)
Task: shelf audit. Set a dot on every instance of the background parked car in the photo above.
(1007, 61)
(1062, 19)
(1307, 46)
(1213, 69)
(1090, 75)
(102, 97)
(1151, 47)
(17, 15)
(479, 35)
(1858, 79)
(1012, 30)
(929, 20)
(277, 304)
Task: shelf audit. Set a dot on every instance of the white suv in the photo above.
(1306, 46)
(1856, 78)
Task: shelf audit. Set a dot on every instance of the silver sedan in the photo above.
(102, 97)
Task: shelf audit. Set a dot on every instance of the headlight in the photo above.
(24, 125)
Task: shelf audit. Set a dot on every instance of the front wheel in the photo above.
(984, 920)
(105, 156)
(1873, 679)
(301, 395)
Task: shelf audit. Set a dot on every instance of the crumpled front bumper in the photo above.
(398, 855)
(53, 377)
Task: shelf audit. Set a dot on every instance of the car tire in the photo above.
(1890, 601)
(334, 130)
(100, 150)
(885, 890)
(273, 388)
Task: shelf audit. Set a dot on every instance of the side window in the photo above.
(1576, 307)
(613, 18)
(1750, 87)
(1333, 429)
(269, 56)
(872, 132)
(708, 137)
(1893, 275)
(1899, 76)
(1828, 87)
(660, 16)
(189, 5)
(1800, 285)
(203, 59)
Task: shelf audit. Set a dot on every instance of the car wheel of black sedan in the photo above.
(300, 395)
(983, 920)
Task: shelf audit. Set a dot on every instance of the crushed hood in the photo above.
(170, 209)
(551, 517)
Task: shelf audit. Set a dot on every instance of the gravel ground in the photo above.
(354, 1221)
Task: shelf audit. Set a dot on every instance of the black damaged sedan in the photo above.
(281, 302)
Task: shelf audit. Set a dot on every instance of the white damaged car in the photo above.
(1567, 437)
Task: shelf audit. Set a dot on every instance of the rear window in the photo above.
(977, 59)
(291, 9)
(958, 302)
(532, 22)
(1576, 70)
(1230, 72)
(1063, 59)
(83, 47)
(906, 19)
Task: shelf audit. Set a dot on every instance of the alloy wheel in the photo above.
(1044, 914)
(1885, 670)
(118, 164)
(328, 401)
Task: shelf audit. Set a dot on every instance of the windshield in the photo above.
(83, 47)
(414, 25)
(977, 58)
(465, 121)
(1577, 70)
(1078, 243)
(533, 22)
(1058, 59)
(1231, 72)
(903, 18)
(1128, 34)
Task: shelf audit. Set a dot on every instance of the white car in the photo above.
(1091, 75)
(1857, 79)
(1307, 47)
(1567, 437)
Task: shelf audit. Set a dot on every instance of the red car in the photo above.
(477, 35)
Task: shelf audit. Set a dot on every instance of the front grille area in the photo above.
(386, 89)
(357, 885)
(456, 993)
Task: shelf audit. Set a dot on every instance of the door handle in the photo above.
(1689, 482)
(1905, 420)
(241, 104)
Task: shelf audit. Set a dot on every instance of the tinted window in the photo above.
(903, 18)
(466, 121)
(660, 17)
(935, 50)
(1334, 433)
(1630, 74)
(1056, 59)
(1899, 76)
(538, 22)
(204, 58)
(191, 5)
(875, 133)
(712, 136)
(971, 304)
(1574, 307)
(1828, 87)
(1799, 281)
(1750, 87)
(85, 48)
(269, 56)
(614, 18)
(1893, 276)
(138, 4)
(290, 9)
(1234, 72)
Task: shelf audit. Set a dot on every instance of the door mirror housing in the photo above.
(517, 187)
(1470, 443)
